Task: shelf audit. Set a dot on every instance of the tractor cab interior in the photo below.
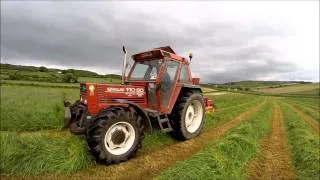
(159, 76)
(145, 70)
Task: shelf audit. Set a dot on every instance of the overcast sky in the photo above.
(230, 41)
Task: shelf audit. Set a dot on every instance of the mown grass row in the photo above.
(41, 152)
(225, 158)
(310, 103)
(306, 101)
(34, 148)
(304, 145)
(231, 111)
(311, 108)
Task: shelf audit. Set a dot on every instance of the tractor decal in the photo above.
(115, 90)
(129, 91)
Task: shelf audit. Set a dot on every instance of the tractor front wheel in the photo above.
(117, 136)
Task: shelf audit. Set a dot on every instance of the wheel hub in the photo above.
(118, 137)
(194, 116)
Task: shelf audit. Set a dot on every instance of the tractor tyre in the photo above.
(117, 136)
(188, 115)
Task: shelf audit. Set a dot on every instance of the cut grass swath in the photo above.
(273, 161)
(231, 111)
(226, 158)
(304, 145)
(310, 109)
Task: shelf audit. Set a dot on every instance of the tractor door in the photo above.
(167, 83)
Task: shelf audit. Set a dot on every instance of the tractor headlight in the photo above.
(83, 100)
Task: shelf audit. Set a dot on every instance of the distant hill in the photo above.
(259, 84)
(33, 73)
(249, 83)
(10, 72)
(77, 72)
(297, 88)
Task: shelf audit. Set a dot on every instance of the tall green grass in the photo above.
(39, 84)
(33, 108)
(304, 145)
(225, 158)
(40, 153)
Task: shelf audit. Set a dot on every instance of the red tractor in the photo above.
(158, 88)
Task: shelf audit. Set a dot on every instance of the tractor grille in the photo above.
(112, 100)
(100, 92)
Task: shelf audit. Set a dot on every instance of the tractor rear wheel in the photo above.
(117, 136)
(188, 116)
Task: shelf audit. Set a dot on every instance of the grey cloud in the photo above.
(77, 34)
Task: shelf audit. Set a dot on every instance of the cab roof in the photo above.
(166, 48)
(158, 53)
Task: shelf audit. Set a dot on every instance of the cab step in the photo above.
(164, 123)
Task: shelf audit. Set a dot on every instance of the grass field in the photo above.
(33, 108)
(302, 89)
(98, 80)
(34, 146)
(304, 145)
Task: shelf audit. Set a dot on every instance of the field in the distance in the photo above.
(294, 88)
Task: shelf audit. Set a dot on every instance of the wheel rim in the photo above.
(119, 138)
(194, 116)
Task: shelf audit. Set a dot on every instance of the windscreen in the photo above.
(146, 70)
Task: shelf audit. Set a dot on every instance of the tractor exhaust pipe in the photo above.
(124, 64)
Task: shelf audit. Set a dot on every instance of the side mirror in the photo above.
(190, 56)
(124, 64)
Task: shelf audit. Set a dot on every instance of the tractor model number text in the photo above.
(128, 91)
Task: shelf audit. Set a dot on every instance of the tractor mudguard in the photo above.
(140, 111)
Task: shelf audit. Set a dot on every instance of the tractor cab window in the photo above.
(184, 74)
(167, 81)
(146, 70)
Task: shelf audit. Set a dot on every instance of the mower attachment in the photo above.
(75, 116)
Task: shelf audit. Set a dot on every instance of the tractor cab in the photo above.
(163, 73)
